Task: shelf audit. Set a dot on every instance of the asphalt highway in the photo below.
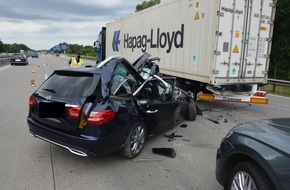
(29, 163)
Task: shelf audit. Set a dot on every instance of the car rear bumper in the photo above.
(18, 63)
(82, 145)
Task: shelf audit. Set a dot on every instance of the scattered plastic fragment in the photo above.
(215, 121)
(169, 152)
(172, 136)
(183, 125)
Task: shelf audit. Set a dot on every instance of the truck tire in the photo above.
(191, 111)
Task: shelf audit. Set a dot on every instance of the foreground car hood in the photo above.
(273, 132)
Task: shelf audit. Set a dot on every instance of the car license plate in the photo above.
(17, 60)
(51, 110)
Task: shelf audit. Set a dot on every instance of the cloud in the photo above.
(42, 24)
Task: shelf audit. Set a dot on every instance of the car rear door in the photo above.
(59, 99)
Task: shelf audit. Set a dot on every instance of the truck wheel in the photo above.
(248, 175)
(191, 111)
(135, 141)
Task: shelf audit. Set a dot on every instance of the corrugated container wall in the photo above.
(211, 41)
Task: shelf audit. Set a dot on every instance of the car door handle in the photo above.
(151, 111)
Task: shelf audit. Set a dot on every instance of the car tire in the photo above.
(135, 141)
(191, 111)
(248, 172)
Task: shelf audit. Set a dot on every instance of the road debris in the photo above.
(183, 125)
(169, 152)
(172, 136)
(213, 120)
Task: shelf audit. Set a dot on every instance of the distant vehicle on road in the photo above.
(34, 54)
(18, 59)
(255, 155)
(57, 54)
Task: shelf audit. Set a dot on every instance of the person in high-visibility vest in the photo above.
(76, 61)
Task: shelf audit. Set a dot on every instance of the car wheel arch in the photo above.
(237, 158)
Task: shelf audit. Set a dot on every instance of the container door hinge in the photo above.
(216, 72)
(225, 63)
(220, 14)
(218, 33)
(217, 53)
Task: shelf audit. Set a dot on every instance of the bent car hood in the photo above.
(273, 132)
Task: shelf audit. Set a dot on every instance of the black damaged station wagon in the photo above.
(105, 108)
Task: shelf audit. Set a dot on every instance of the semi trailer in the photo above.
(218, 49)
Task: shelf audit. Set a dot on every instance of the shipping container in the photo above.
(221, 46)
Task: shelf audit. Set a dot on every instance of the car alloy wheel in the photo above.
(137, 140)
(247, 175)
(241, 181)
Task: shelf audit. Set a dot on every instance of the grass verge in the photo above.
(279, 90)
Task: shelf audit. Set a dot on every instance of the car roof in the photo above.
(105, 69)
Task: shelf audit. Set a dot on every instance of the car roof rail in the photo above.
(103, 63)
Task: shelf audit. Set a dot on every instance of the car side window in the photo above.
(123, 81)
(155, 90)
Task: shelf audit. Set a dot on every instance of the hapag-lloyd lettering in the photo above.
(158, 39)
(240, 12)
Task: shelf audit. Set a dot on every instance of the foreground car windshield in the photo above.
(68, 85)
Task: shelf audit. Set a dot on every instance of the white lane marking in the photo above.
(5, 67)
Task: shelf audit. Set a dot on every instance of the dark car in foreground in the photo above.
(106, 108)
(18, 59)
(256, 155)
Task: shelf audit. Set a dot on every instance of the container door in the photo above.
(258, 39)
(244, 32)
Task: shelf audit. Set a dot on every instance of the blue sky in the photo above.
(41, 24)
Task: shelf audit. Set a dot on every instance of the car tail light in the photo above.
(32, 101)
(101, 117)
(95, 118)
(23, 59)
(74, 112)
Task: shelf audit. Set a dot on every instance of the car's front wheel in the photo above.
(248, 175)
(135, 141)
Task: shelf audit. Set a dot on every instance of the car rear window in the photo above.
(69, 85)
(18, 55)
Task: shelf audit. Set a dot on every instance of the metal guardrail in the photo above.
(275, 82)
(4, 60)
